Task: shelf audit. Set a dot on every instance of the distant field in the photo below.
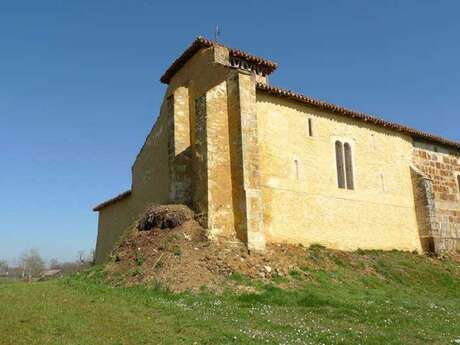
(412, 300)
(4, 280)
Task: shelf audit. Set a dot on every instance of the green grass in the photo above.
(5, 280)
(410, 300)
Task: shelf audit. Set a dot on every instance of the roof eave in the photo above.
(112, 201)
(414, 133)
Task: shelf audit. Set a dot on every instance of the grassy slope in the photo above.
(412, 300)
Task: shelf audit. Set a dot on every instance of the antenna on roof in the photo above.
(216, 33)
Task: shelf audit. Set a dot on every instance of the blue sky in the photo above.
(79, 87)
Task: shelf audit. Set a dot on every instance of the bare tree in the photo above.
(92, 256)
(54, 264)
(81, 256)
(86, 259)
(32, 263)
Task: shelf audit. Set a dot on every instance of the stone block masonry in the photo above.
(439, 207)
(179, 146)
(248, 203)
(425, 210)
(213, 186)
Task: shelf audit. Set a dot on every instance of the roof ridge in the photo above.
(202, 42)
(415, 133)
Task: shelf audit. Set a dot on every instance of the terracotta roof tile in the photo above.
(414, 133)
(201, 42)
(112, 201)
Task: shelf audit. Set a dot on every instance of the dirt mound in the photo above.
(168, 248)
(164, 216)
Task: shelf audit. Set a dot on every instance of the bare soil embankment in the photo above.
(167, 247)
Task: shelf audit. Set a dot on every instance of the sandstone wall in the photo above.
(424, 209)
(245, 160)
(150, 184)
(214, 183)
(112, 223)
(150, 171)
(439, 169)
(179, 150)
(302, 201)
(167, 168)
(260, 167)
(223, 146)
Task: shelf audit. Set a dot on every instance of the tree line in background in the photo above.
(31, 265)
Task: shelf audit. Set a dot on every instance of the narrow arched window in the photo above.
(349, 166)
(296, 162)
(310, 127)
(382, 179)
(340, 164)
(458, 182)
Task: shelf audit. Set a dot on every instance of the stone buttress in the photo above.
(213, 149)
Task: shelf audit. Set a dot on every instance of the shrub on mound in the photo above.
(164, 217)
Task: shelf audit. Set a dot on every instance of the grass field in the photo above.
(412, 300)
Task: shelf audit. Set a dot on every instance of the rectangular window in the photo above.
(458, 183)
(310, 127)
